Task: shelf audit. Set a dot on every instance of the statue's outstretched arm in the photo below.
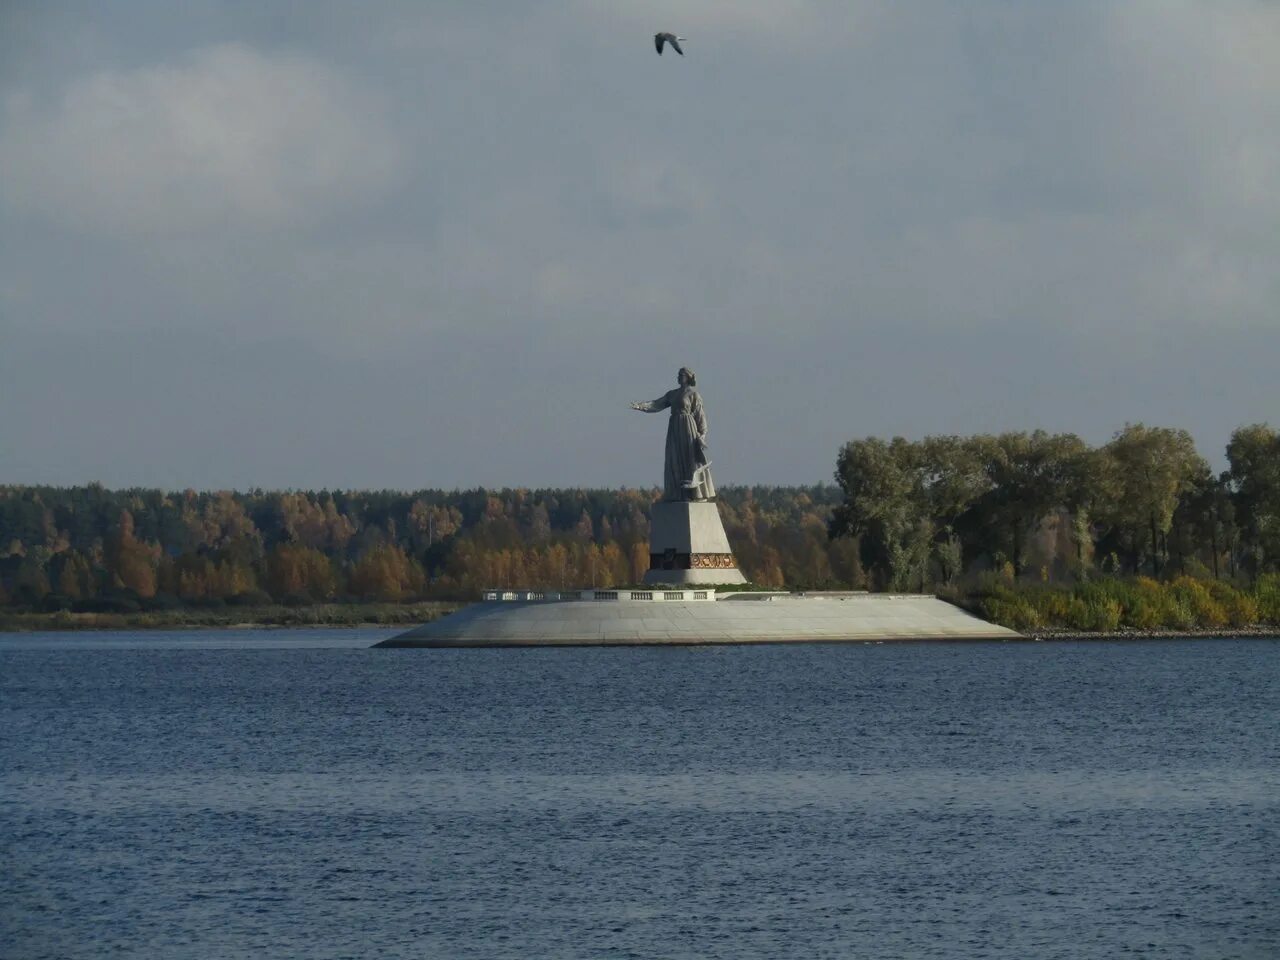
(652, 406)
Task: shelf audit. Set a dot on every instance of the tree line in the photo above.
(97, 550)
(1050, 507)
(903, 515)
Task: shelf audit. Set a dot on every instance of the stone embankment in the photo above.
(698, 616)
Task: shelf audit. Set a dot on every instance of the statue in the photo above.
(687, 472)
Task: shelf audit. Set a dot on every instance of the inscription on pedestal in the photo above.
(713, 561)
(674, 560)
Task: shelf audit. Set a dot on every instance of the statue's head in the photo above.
(686, 378)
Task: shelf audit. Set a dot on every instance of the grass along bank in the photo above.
(1109, 606)
(191, 618)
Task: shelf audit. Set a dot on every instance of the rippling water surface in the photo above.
(293, 793)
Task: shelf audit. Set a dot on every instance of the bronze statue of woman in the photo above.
(687, 472)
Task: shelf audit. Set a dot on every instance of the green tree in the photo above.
(1030, 475)
(31, 585)
(1253, 455)
(1146, 472)
(883, 506)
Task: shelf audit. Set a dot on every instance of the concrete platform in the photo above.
(633, 617)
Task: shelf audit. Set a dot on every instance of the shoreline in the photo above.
(363, 615)
(333, 615)
(1258, 631)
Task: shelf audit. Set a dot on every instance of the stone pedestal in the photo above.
(687, 544)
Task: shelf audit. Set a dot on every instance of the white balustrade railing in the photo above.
(657, 596)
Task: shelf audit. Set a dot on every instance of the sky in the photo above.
(389, 244)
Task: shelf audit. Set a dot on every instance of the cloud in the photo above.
(850, 218)
(1207, 82)
(1201, 84)
(226, 136)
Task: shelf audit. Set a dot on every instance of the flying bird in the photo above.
(660, 38)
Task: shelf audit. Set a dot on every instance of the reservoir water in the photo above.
(294, 793)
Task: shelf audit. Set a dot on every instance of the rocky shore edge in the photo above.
(1260, 631)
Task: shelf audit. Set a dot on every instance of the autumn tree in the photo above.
(294, 570)
(132, 564)
(75, 577)
(386, 573)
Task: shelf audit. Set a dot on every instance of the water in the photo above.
(292, 793)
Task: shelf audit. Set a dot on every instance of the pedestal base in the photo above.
(687, 544)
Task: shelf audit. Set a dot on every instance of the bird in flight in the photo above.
(660, 38)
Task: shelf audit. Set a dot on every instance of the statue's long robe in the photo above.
(686, 445)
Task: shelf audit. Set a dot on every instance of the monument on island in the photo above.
(689, 554)
(687, 542)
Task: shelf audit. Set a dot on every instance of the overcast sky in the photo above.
(444, 244)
